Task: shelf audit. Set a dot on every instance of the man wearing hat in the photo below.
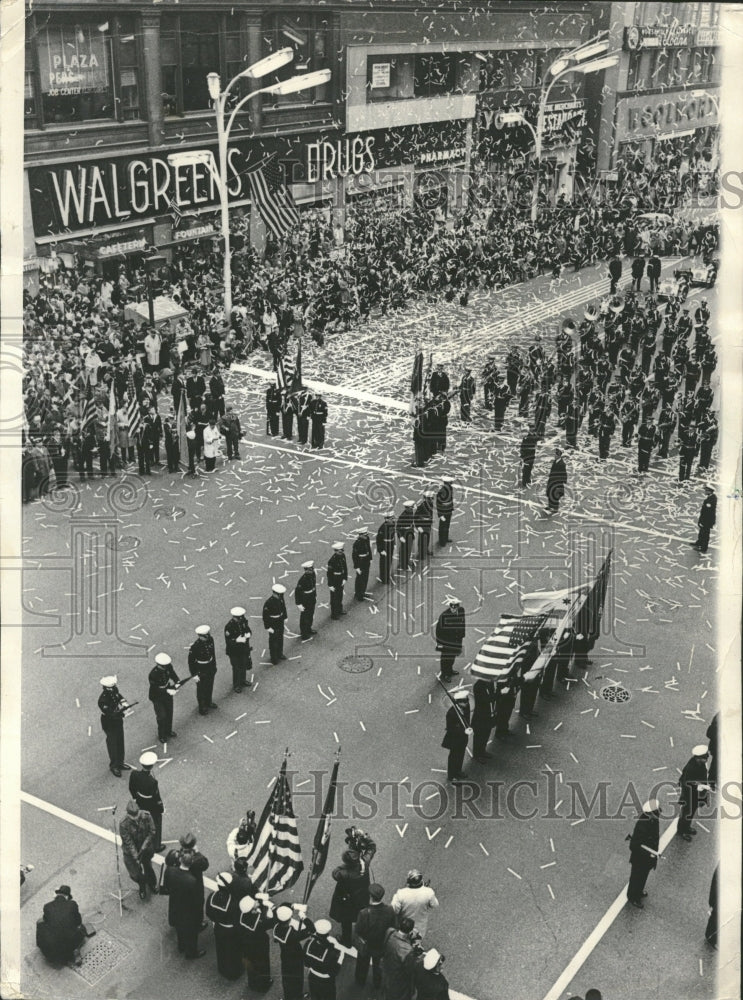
(643, 848)
(305, 597)
(457, 735)
(112, 706)
(556, 482)
(694, 785)
(273, 409)
(137, 831)
(185, 903)
(528, 451)
(237, 635)
(322, 960)
(256, 918)
(351, 893)
(386, 546)
(292, 927)
(202, 664)
(274, 616)
(399, 961)
(615, 273)
(164, 682)
(423, 523)
(450, 629)
(319, 417)
(145, 790)
(337, 575)
(60, 931)
(706, 520)
(222, 908)
(372, 924)
(361, 556)
(445, 508)
(430, 982)
(405, 529)
(467, 390)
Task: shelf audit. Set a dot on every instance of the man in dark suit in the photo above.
(372, 924)
(60, 932)
(707, 519)
(615, 273)
(185, 905)
(528, 453)
(556, 482)
(643, 851)
(457, 735)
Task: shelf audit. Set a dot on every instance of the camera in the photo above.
(360, 841)
(415, 939)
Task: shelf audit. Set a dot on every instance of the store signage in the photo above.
(380, 75)
(558, 115)
(442, 155)
(661, 36)
(708, 36)
(73, 61)
(117, 249)
(327, 160)
(684, 110)
(194, 233)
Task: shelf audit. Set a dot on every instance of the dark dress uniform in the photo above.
(386, 548)
(163, 678)
(361, 555)
(556, 482)
(253, 928)
(687, 452)
(112, 706)
(642, 862)
(450, 629)
(287, 417)
(274, 616)
(445, 509)
(170, 435)
(60, 932)
(482, 717)
(708, 434)
(202, 663)
(423, 523)
(607, 426)
(222, 909)
(707, 519)
(305, 597)
(145, 790)
(239, 653)
(273, 409)
(405, 530)
(528, 453)
(289, 936)
(467, 389)
(303, 402)
(456, 738)
(690, 798)
(319, 416)
(321, 960)
(645, 441)
(337, 574)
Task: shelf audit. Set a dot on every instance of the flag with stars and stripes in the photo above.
(506, 647)
(133, 415)
(272, 198)
(90, 413)
(277, 857)
(285, 374)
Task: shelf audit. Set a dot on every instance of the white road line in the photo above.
(336, 390)
(579, 959)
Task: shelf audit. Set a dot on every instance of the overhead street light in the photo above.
(308, 81)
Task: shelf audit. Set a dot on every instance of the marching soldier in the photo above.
(164, 682)
(202, 664)
(273, 409)
(305, 597)
(707, 519)
(450, 629)
(144, 789)
(361, 555)
(423, 522)
(337, 575)
(274, 616)
(290, 930)
(113, 707)
(322, 959)
(405, 529)
(386, 546)
(457, 735)
(256, 919)
(694, 785)
(445, 508)
(644, 855)
(237, 633)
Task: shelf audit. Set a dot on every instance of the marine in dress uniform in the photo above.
(450, 629)
(145, 791)
(423, 523)
(274, 616)
(643, 848)
(222, 908)
(694, 785)
(482, 718)
(303, 403)
(273, 409)
(113, 705)
(337, 574)
(361, 556)
(305, 597)
(319, 416)
(292, 927)
(645, 441)
(237, 633)
(707, 519)
(386, 546)
(321, 958)
(405, 530)
(256, 919)
(287, 416)
(164, 682)
(445, 508)
(467, 389)
(202, 664)
(457, 735)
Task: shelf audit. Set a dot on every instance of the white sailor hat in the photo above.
(431, 959)
(247, 903)
(283, 913)
(460, 695)
(224, 879)
(162, 659)
(390, 513)
(651, 806)
(191, 435)
(148, 759)
(362, 531)
(428, 493)
(309, 564)
(237, 612)
(409, 503)
(109, 682)
(203, 630)
(447, 479)
(278, 588)
(453, 600)
(337, 546)
(323, 927)
(700, 750)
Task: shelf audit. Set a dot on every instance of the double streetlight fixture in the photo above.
(264, 67)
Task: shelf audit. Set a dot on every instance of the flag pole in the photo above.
(315, 850)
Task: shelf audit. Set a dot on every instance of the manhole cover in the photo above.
(173, 512)
(124, 543)
(356, 664)
(100, 957)
(615, 693)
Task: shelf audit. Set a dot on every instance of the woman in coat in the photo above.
(351, 894)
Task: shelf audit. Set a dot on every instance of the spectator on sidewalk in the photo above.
(185, 904)
(137, 830)
(372, 924)
(415, 901)
(60, 932)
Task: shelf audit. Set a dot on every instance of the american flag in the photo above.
(285, 374)
(506, 647)
(89, 413)
(277, 856)
(133, 415)
(272, 198)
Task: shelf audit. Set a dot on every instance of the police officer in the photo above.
(256, 919)
(319, 417)
(337, 574)
(423, 522)
(237, 633)
(290, 930)
(405, 529)
(222, 908)
(287, 416)
(164, 682)
(386, 546)
(144, 789)
(457, 735)
(303, 404)
(202, 664)
(305, 597)
(694, 790)
(321, 957)
(445, 508)
(361, 556)
(643, 847)
(273, 409)
(113, 706)
(450, 629)
(274, 616)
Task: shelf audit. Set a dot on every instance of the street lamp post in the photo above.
(262, 68)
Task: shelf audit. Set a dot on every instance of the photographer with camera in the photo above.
(414, 901)
(360, 841)
(402, 949)
(351, 893)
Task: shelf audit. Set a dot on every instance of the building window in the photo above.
(435, 74)
(191, 47)
(309, 36)
(544, 59)
(389, 78)
(514, 69)
(30, 117)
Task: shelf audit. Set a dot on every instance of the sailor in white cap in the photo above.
(113, 705)
(644, 854)
(322, 959)
(164, 682)
(237, 635)
(423, 523)
(445, 508)
(144, 789)
(457, 735)
(429, 979)
(337, 574)
(450, 629)
(305, 597)
(290, 930)
(361, 556)
(694, 785)
(256, 916)
(222, 908)
(274, 616)
(386, 546)
(202, 663)
(405, 529)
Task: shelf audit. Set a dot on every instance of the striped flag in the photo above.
(507, 646)
(272, 198)
(322, 835)
(277, 856)
(111, 422)
(133, 416)
(285, 374)
(181, 425)
(298, 368)
(89, 413)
